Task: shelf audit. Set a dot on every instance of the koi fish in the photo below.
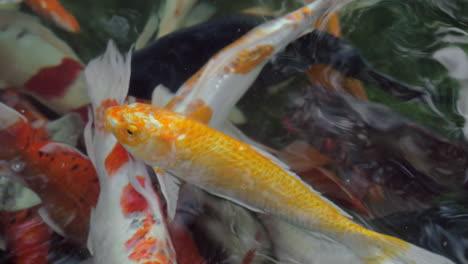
(28, 236)
(45, 67)
(63, 177)
(228, 168)
(127, 225)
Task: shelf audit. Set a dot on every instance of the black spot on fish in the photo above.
(76, 166)
(82, 199)
(41, 154)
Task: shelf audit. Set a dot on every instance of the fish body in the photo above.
(138, 231)
(27, 236)
(234, 170)
(46, 68)
(63, 177)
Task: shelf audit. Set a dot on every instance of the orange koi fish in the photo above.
(238, 172)
(127, 225)
(52, 10)
(28, 236)
(63, 178)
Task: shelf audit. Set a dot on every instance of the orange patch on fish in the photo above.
(325, 76)
(140, 233)
(116, 159)
(132, 201)
(149, 249)
(54, 11)
(248, 60)
(14, 138)
(199, 111)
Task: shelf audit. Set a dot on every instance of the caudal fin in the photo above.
(416, 254)
(108, 76)
(382, 249)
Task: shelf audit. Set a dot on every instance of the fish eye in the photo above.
(131, 130)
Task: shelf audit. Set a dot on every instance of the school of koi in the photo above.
(126, 200)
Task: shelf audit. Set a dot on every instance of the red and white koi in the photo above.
(36, 62)
(59, 174)
(127, 225)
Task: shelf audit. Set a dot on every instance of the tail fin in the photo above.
(419, 255)
(390, 250)
(108, 76)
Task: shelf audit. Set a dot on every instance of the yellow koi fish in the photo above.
(239, 172)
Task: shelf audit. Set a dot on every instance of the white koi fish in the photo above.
(127, 225)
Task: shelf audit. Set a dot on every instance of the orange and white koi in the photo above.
(63, 177)
(253, 178)
(212, 92)
(45, 67)
(127, 225)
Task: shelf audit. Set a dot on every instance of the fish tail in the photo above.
(108, 76)
(378, 249)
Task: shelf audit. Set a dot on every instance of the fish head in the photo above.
(144, 130)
